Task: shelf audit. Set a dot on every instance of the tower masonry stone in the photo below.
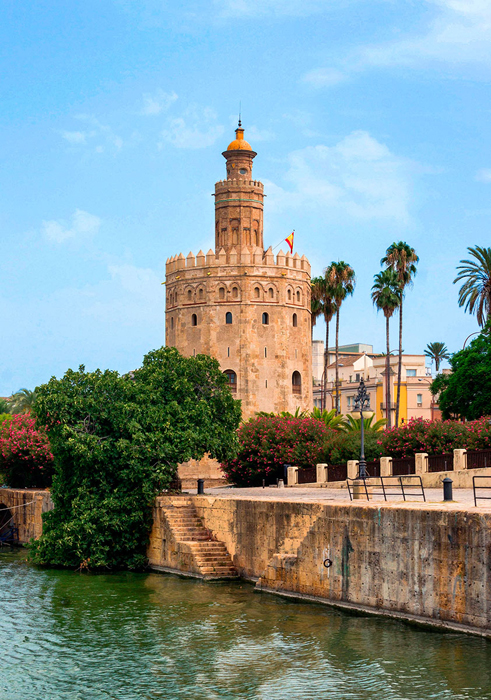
(241, 304)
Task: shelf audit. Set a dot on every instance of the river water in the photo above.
(65, 636)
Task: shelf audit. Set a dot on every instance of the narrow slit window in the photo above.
(295, 320)
(265, 319)
(228, 318)
(194, 320)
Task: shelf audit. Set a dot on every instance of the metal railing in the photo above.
(337, 472)
(373, 468)
(403, 466)
(476, 487)
(307, 476)
(478, 459)
(393, 486)
(440, 463)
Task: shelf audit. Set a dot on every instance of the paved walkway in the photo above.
(463, 498)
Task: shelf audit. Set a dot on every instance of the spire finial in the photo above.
(240, 113)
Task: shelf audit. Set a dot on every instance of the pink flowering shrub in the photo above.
(435, 437)
(25, 453)
(267, 443)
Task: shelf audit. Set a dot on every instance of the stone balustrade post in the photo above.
(321, 473)
(352, 468)
(386, 466)
(421, 463)
(292, 476)
(459, 460)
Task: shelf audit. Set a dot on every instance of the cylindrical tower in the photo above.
(240, 304)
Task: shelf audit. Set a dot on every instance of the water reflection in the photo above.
(69, 636)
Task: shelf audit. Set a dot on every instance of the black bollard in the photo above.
(264, 483)
(201, 487)
(447, 489)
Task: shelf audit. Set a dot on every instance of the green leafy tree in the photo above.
(475, 293)
(322, 294)
(22, 401)
(341, 447)
(466, 391)
(437, 352)
(401, 258)
(386, 295)
(116, 442)
(4, 406)
(340, 281)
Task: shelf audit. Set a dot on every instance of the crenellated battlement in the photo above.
(233, 182)
(235, 257)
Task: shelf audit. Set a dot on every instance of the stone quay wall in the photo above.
(26, 507)
(422, 563)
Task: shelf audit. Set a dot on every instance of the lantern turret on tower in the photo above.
(239, 199)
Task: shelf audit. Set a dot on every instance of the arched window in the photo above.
(190, 295)
(221, 293)
(296, 383)
(200, 294)
(265, 319)
(289, 294)
(298, 297)
(235, 292)
(256, 292)
(295, 320)
(172, 323)
(228, 318)
(194, 320)
(271, 293)
(232, 380)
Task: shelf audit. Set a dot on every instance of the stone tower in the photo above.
(242, 305)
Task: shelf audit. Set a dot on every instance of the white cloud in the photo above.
(83, 225)
(458, 34)
(99, 136)
(157, 102)
(324, 77)
(358, 177)
(197, 128)
(484, 175)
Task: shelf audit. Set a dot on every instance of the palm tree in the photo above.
(402, 259)
(322, 293)
(315, 302)
(386, 295)
(329, 418)
(22, 401)
(352, 425)
(475, 293)
(437, 352)
(4, 406)
(340, 279)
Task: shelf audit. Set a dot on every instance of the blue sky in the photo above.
(371, 120)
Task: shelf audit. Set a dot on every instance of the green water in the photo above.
(65, 636)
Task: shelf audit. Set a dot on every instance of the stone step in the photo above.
(222, 570)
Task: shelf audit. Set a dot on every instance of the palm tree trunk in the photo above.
(337, 363)
(437, 364)
(388, 411)
(399, 368)
(326, 363)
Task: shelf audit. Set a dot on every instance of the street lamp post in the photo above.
(362, 403)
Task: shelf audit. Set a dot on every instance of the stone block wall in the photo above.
(27, 507)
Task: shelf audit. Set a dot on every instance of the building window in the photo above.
(294, 320)
(190, 295)
(201, 294)
(228, 352)
(228, 318)
(298, 297)
(265, 352)
(232, 380)
(410, 373)
(194, 320)
(296, 383)
(265, 319)
(235, 292)
(289, 294)
(419, 399)
(266, 383)
(256, 292)
(172, 323)
(357, 377)
(221, 293)
(271, 293)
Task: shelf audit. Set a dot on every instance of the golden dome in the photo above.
(239, 144)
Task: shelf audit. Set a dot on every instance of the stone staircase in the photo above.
(210, 558)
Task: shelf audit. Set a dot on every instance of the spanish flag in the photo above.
(289, 240)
